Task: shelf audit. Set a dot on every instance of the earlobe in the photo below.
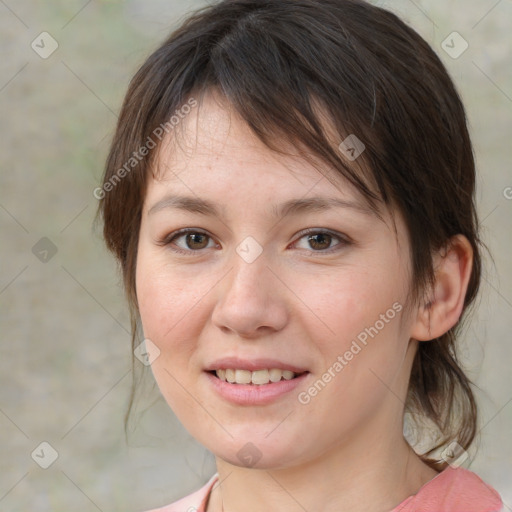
(443, 309)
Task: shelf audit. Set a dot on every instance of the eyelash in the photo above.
(166, 241)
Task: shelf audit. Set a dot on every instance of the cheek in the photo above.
(169, 320)
(361, 315)
(347, 303)
(167, 303)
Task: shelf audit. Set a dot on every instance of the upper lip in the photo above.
(236, 363)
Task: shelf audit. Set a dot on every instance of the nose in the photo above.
(252, 301)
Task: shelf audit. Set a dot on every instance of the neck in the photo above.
(349, 478)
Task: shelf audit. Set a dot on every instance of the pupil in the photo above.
(323, 236)
(193, 238)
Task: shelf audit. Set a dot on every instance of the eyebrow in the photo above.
(291, 207)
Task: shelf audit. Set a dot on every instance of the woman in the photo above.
(290, 195)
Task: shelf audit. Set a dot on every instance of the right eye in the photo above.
(192, 241)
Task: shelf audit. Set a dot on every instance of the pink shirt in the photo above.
(452, 490)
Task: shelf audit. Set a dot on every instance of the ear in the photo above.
(442, 311)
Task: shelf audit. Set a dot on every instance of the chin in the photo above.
(258, 453)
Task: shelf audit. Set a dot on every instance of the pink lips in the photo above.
(253, 394)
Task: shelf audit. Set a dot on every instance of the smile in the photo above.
(257, 377)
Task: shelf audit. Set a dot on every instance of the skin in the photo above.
(298, 302)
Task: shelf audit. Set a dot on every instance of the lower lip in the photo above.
(254, 394)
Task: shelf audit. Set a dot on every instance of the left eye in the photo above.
(321, 240)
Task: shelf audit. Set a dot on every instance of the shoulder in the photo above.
(454, 490)
(194, 502)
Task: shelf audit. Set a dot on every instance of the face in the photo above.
(230, 279)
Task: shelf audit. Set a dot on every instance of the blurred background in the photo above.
(65, 349)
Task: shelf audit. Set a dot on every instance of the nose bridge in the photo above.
(249, 273)
(249, 298)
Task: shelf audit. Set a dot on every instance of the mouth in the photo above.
(254, 381)
(256, 377)
(255, 385)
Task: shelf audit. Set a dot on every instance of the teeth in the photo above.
(275, 375)
(243, 376)
(257, 377)
(260, 377)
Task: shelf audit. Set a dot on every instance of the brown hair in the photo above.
(375, 77)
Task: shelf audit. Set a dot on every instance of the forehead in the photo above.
(214, 148)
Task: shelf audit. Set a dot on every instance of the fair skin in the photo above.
(300, 302)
